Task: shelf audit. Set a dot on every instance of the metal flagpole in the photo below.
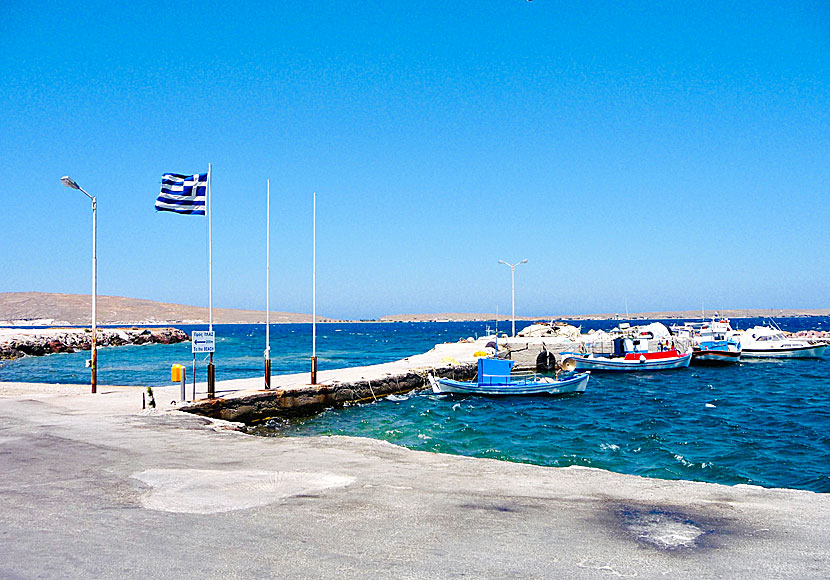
(211, 371)
(94, 357)
(268, 285)
(314, 296)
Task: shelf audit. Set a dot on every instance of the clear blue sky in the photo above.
(666, 154)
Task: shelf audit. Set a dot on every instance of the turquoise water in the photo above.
(763, 422)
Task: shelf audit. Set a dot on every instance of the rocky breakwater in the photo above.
(16, 343)
(307, 400)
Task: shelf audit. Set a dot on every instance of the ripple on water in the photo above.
(760, 421)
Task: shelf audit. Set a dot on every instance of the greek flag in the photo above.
(183, 193)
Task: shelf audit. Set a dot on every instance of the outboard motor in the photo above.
(619, 350)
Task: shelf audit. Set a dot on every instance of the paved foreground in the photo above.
(92, 487)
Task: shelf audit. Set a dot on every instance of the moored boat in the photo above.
(632, 361)
(716, 352)
(494, 378)
(713, 342)
(768, 342)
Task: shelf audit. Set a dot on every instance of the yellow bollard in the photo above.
(178, 374)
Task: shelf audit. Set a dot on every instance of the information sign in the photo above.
(203, 341)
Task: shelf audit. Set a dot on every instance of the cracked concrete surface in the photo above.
(83, 478)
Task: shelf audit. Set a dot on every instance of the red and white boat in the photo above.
(636, 358)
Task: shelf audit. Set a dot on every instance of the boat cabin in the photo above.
(494, 371)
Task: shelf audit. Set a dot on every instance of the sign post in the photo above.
(205, 341)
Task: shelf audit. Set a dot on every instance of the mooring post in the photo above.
(194, 376)
(184, 380)
(314, 370)
(268, 373)
(211, 386)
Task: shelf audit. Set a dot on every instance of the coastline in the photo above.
(19, 342)
(25, 309)
(418, 318)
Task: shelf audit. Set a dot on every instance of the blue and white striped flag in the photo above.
(183, 193)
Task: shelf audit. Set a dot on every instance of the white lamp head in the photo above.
(69, 182)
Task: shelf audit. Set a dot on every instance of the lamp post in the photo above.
(69, 182)
(513, 288)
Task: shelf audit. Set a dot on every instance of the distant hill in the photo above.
(684, 314)
(41, 308)
(45, 309)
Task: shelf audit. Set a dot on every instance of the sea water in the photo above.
(762, 422)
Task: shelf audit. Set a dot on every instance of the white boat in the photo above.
(764, 341)
(631, 353)
(495, 378)
(633, 361)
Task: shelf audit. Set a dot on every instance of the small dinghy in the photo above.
(495, 378)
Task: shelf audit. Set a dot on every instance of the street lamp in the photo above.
(69, 182)
(513, 286)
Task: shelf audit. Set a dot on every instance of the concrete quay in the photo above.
(94, 487)
(246, 400)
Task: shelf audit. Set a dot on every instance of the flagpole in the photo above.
(314, 296)
(211, 388)
(268, 284)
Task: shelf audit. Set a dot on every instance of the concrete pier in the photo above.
(246, 400)
(94, 487)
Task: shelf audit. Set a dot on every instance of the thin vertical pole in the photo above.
(211, 371)
(94, 378)
(268, 285)
(314, 294)
(496, 354)
(513, 291)
(194, 376)
(210, 260)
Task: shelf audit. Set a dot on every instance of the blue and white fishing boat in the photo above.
(716, 352)
(713, 342)
(495, 378)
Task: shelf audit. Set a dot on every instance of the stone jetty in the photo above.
(16, 343)
(247, 401)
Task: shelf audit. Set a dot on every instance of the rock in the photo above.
(63, 340)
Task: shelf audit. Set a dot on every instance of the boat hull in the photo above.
(621, 365)
(807, 351)
(715, 357)
(576, 384)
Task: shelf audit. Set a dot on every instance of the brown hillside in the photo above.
(74, 309)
